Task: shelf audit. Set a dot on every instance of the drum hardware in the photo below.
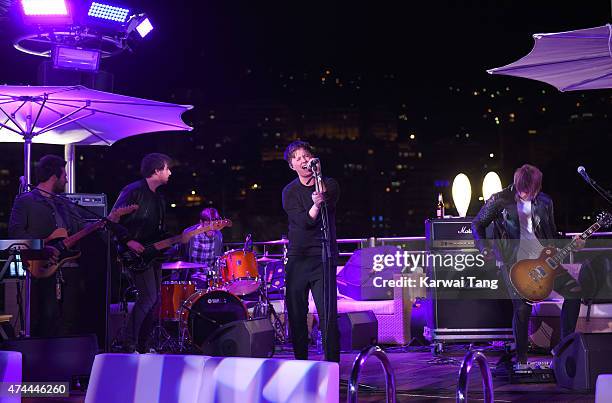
(264, 308)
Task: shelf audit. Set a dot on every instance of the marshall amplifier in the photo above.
(469, 302)
(449, 233)
(95, 203)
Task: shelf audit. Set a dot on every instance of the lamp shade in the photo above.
(462, 193)
(491, 184)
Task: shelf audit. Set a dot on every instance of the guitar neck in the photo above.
(73, 239)
(166, 243)
(563, 253)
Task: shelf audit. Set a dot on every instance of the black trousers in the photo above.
(52, 317)
(565, 285)
(143, 316)
(303, 274)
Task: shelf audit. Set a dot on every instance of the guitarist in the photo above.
(145, 226)
(36, 214)
(523, 220)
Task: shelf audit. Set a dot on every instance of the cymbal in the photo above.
(181, 265)
(277, 242)
(266, 259)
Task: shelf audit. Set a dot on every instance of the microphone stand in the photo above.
(602, 192)
(325, 248)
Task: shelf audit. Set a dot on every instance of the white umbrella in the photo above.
(74, 115)
(571, 61)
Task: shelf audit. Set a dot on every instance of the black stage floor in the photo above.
(421, 377)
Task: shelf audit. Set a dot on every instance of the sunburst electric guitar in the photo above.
(533, 278)
(140, 262)
(60, 240)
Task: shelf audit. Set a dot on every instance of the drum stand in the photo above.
(160, 340)
(265, 309)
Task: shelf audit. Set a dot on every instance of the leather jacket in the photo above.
(147, 224)
(501, 211)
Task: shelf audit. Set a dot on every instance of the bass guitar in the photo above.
(140, 262)
(533, 278)
(60, 240)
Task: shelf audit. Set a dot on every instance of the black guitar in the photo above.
(140, 262)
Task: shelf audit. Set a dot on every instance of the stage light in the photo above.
(44, 7)
(76, 58)
(144, 27)
(491, 184)
(462, 193)
(46, 12)
(108, 12)
(139, 23)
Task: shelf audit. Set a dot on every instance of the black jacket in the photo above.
(32, 216)
(501, 210)
(147, 224)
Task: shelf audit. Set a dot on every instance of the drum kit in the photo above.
(213, 297)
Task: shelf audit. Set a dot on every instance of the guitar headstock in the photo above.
(121, 211)
(219, 224)
(604, 219)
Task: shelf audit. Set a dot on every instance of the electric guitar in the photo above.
(60, 240)
(140, 262)
(533, 278)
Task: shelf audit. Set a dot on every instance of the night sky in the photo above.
(417, 54)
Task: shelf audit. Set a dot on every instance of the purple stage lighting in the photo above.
(108, 12)
(65, 57)
(144, 27)
(44, 7)
(46, 12)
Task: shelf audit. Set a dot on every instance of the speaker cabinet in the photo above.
(241, 338)
(580, 357)
(356, 280)
(55, 359)
(357, 330)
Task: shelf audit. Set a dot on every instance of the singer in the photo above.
(523, 218)
(305, 270)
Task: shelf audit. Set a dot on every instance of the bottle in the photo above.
(440, 207)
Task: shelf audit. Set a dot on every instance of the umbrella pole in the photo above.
(27, 160)
(69, 156)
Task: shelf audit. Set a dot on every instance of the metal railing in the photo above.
(485, 371)
(265, 247)
(353, 385)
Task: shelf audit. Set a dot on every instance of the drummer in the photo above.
(203, 248)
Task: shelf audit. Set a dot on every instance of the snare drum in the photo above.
(204, 312)
(206, 280)
(239, 272)
(173, 294)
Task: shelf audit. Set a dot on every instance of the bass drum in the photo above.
(204, 312)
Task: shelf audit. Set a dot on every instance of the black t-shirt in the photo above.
(304, 232)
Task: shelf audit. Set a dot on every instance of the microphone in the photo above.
(583, 173)
(312, 163)
(248, 243)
